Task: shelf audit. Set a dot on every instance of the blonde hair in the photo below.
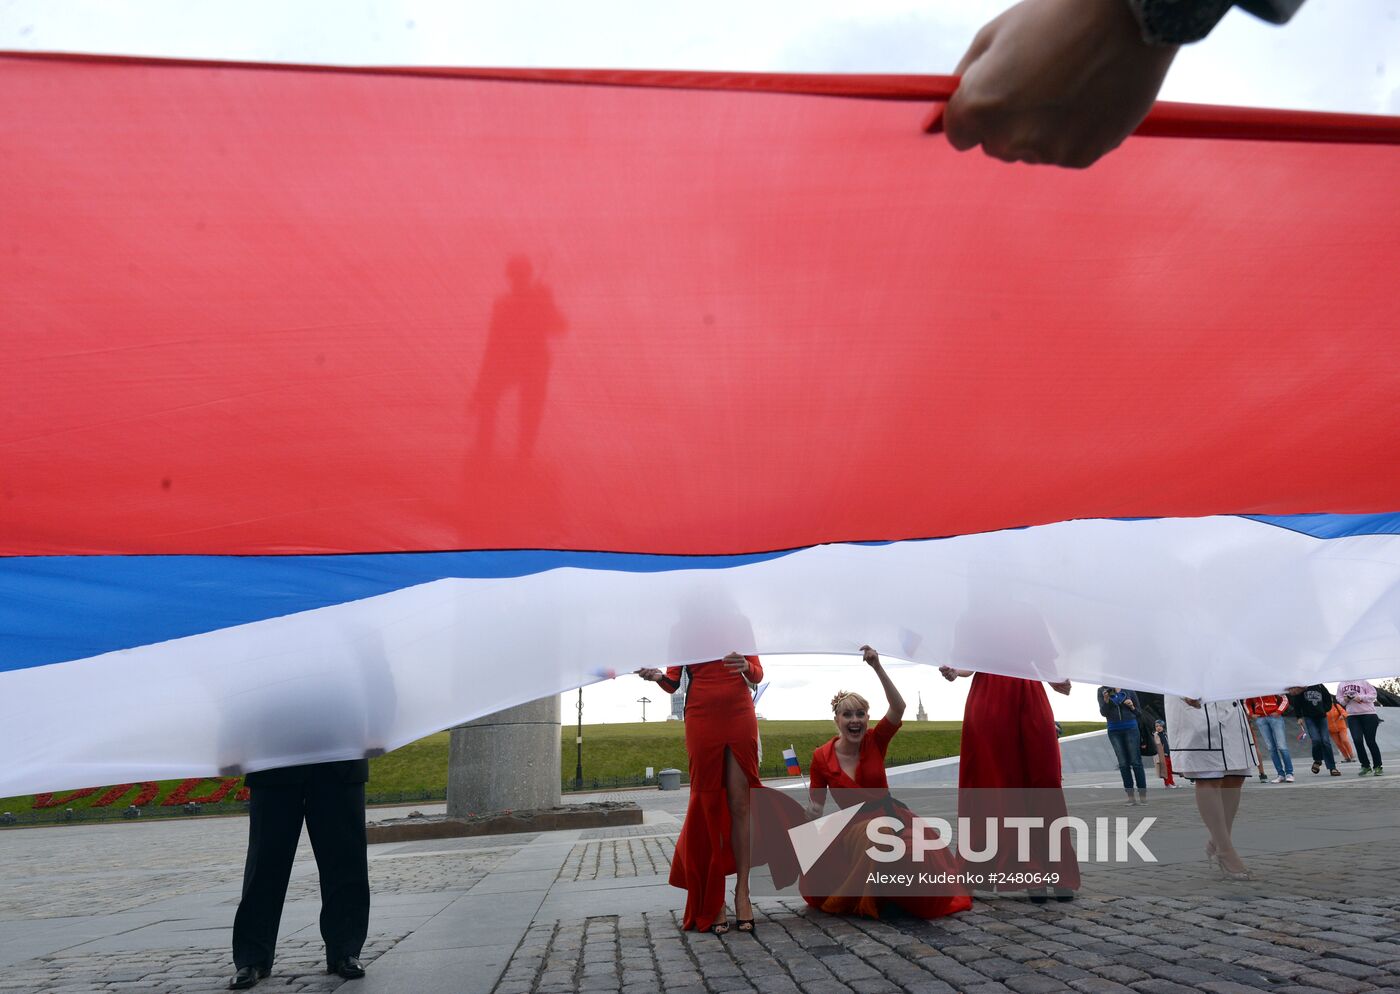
(843, 695)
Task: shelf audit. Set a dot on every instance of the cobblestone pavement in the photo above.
(619, 858)
(1095, 946)
(435, 872)
(301, 967)
(149, 908)
(91, 870)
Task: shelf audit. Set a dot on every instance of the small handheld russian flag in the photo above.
(790, 758)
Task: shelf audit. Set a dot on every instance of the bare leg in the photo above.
(736, 786)
(1212, 814)
(1230, 792)
(1217, 801)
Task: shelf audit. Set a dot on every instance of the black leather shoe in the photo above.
(247, 976)
(350, 968)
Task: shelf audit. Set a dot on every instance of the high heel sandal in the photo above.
(744, 925)
(1235, 875)
(1213, 856)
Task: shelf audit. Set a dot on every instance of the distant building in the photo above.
(922, 715)
(677, 705)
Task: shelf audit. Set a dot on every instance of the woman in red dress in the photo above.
(854, 763)
(1010, 766)
(721, 739)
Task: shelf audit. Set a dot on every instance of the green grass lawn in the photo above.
(617, 752)
(613, 755)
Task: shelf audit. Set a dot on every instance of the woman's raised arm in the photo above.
(895, 714)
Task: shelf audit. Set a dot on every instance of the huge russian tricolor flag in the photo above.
(338, 406)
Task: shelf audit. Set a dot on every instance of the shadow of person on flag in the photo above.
(517, 359)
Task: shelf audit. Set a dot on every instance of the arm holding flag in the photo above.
(669, 680)
(895, 713)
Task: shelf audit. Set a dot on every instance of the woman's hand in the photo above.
(1063, 687)
(736, 662)
(1192, 702)
(813, 811)
(650, 673)
(949, 673)
(895, 714)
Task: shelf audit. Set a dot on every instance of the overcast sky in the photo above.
(1335, 55)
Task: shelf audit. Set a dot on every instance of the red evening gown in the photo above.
(719, 715)
(846, 859)
(1009, 742)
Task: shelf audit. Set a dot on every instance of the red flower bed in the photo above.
(147, 792)
(182, 794)
(144, 796)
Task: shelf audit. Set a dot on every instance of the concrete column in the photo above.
(507, 761)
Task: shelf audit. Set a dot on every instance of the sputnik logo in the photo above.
(809, 841)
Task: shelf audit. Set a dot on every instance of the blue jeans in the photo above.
(1127, 746)
(1273, 736)
(1321, 741)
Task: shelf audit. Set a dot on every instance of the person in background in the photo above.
(1164, 754)
(1064, 82)
(1337, 731)
(1151, 707)
(1311, 704)
(1267, 712)
(1216, 752)
(1359, 699)
(1120, 707)
(1254, 737)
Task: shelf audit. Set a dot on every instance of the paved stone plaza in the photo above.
(149, 907)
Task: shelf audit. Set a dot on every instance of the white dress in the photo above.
(1210, 741)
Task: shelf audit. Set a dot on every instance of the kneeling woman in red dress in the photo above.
(721, 739)
(854, 763)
